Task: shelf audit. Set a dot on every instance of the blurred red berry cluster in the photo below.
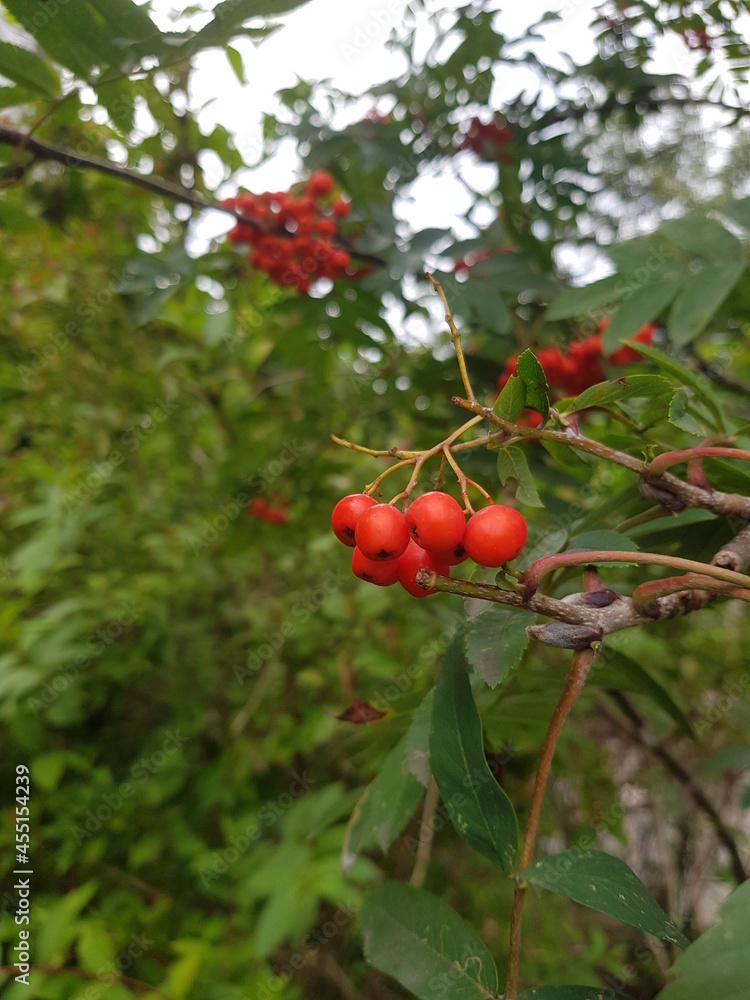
(463, 264)
(291, 235)
(260, 507)
(580, 365)
(486, 139)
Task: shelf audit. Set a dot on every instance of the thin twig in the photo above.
(579, 670)
(455, 338)
(637, 731)
(426, 834)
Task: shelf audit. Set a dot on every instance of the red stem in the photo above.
(663, 462)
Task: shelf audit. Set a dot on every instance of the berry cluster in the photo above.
(433, 534)
(260, 507)
(580, 365)
(487, 140)
(291, 235)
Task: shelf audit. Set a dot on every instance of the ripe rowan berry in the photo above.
(346, 513)
(495, 535)
(382, 532)
(409, 564)
(436, 521)
(320, 184)
(341, 208)
(382, 574)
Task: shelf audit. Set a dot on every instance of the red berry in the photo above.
(382, 532)
(451, 557)
(409, 564)
(436, 521)
(320, 184)
(495, 535)
(383, 574)
(346, 513)
(624, 355)
(341, 208)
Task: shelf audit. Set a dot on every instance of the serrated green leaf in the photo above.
(496, 640)
(512, 464)
(424, 944)
(641, 307)
(577, 301)
(479, 809)
(700, 297)
(27, 69)
(632, 386)
(680, 415)
(718, 963)
(604, 883)
(510, 403)
(532, 374)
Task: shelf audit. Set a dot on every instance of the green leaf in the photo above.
(702, 236)
(699, 383)
(738, 211)
(384, 809)
(424, 944)
(700, 297)
(718, 963)
(15, 220)
(22, 66)
(642, 306)
(532, 374)
(569, 993)
(479, 809)
(605, 884)
(609, 541)
(512, 464)
(680, 415)
(496, 640)
(577, 301)
(237, 63)
(620, 672)
(633, 386)
(511, 401)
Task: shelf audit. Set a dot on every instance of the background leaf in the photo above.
(718, 963)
